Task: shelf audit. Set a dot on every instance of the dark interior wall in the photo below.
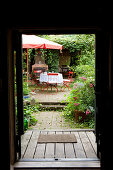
(4, 109)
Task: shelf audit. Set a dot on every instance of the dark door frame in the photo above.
(103, 75)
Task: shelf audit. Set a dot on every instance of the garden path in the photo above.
(51, 120)
(51, 96)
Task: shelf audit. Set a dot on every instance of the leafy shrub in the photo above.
(82, 98)
(25, 89)
(28, 113)
(85, 71)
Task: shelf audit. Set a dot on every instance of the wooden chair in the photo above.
(52, 81)
(67, 82)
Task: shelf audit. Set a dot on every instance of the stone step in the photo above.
(52, 107)
(53, 103)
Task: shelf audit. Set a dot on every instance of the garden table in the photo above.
(44, 77)
(51, 79)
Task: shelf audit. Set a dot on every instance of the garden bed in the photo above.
(81, 102)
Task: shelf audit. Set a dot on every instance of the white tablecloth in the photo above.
(44, 78)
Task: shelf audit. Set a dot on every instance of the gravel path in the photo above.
(41, 96)
(48, 120)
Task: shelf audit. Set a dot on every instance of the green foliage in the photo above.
(86, 71)
(52, 60)
(85, 68)
(82, 98)
(81, 48)
(31, 56)
(25, 89)
(28, 113)
(74, 42)
(24, 55)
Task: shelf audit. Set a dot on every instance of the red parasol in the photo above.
(33, 41)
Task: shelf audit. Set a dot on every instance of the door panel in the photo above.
(102, 87)
(17, 38)
(98, 91)
(19, 80)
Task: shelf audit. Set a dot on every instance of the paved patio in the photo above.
(51, 96)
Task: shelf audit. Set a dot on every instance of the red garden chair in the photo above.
(67, 82)
(35, 77)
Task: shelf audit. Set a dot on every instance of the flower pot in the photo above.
(26, 96)
(79, 116)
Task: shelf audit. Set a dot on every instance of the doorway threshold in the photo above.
(60, 160)
(76, 163)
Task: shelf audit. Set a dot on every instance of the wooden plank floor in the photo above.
(84, 148)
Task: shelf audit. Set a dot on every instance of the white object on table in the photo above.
(44, 78)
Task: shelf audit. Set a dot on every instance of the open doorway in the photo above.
(77, 57)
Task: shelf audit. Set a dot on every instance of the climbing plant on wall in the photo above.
(81, 48)
(52, 60)
(77, 44)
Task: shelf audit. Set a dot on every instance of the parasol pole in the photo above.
(27, 66)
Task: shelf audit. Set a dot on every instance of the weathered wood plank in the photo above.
(83, 137)
(84, 148)
(32, 145)
(49, 153)
(89, 151)
(50, 149)
(92, 139)
(59, 151)
(68, 130)
(24, 142)
(87, 145)
(69, 149)
(40, 149)
(79, 150)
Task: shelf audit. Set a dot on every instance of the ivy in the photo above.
(71, 42)
(77, 44)
(52, 60)
(81, 48)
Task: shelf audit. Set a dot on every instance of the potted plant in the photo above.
(79, 111)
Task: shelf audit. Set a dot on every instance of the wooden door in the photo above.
(102, 88)
(98, 93)
(17, 38)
